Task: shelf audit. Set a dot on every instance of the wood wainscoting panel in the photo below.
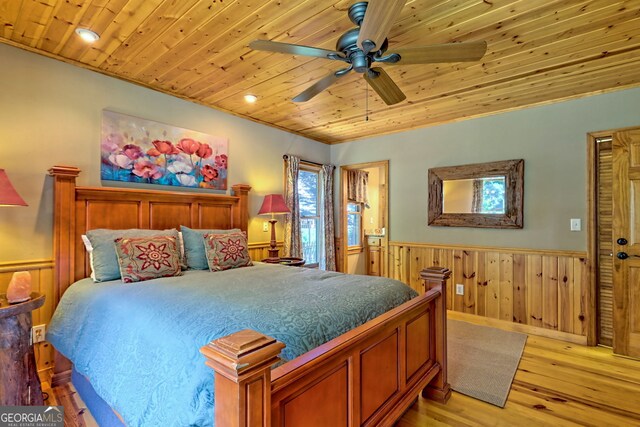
(540, 288)
(550, 292)
(492, 278)
(534, 290)
(41, 281)
(519, 289)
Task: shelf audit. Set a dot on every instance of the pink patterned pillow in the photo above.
(146, 258)
(225, 251)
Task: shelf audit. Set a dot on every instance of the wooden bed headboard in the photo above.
(78, 209)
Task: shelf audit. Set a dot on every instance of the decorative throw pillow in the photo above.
(194, 247)
(104, 260)
(225, 251)
(146, 258)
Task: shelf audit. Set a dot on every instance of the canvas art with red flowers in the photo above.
(144, 151)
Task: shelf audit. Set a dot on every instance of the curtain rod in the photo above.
(286, 157)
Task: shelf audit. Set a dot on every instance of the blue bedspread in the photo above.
(139, 343)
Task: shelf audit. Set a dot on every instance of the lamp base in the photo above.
(273, 249)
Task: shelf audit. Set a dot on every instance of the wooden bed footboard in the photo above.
(367, 377)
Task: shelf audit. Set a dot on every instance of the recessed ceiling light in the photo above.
(250, 98)
(87, 35)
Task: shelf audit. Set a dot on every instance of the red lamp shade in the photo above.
(273, 204)
(8, 195)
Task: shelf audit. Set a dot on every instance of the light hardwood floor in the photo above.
(75, 414)
(557, 384)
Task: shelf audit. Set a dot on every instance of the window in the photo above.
(310, 222)
(354, 225)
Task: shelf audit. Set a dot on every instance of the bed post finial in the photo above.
(242, 363)
(436, 277)
(241, 215)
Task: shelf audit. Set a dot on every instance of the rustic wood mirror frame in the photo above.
(512, 170)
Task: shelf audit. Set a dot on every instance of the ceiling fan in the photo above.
(367, 44)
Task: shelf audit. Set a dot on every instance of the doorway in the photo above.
(364, 224)
(614, 238)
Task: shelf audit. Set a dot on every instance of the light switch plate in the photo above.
(576, 224)
(459, 289)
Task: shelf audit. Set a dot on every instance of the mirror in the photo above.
(484, 195)
(487, 195)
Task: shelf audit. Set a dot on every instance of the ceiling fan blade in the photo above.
(378, 19)
(317, 87)
(293, 49)
(450, 52)
(380, 81)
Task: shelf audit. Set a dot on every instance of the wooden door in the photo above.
(626, 242)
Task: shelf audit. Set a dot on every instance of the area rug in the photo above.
(482, 361)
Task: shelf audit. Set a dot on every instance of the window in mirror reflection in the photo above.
(480, 195)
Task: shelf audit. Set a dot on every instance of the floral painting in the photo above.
(139, 150)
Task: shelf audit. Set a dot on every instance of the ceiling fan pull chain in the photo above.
(366, 102)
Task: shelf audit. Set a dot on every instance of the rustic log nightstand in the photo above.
(19, 382)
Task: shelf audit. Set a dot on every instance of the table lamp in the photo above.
(8, 195)
(271, 205)
(19, 288)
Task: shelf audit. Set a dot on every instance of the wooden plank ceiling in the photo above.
(539, 51)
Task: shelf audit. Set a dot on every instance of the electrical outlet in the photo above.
(265, 226)
(37, 333)
(459, 289)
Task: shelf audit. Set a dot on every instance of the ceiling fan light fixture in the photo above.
(87, 35)
(250, 98)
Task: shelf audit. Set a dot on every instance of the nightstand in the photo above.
(290, 261)
(19, 382)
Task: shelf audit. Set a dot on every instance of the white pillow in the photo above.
(181, 245)
(89, 247)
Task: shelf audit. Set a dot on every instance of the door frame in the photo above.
(344, 253)
(592, 229)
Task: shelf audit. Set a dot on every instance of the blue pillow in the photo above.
(194, 246)
(104, 259)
